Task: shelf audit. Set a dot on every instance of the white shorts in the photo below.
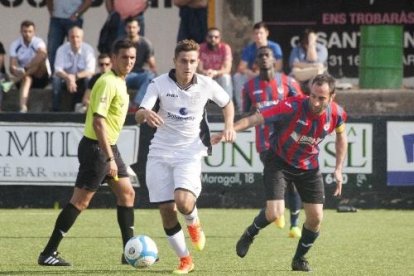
(165, 175)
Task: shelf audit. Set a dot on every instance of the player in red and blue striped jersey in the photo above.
(267, 89)
(300, 124)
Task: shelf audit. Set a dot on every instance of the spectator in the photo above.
(5, 85)
(128, 8)
(193, 19)
(28, 62)
(74, 66)
(216, 60)
(64, 14)
(308, 59)
(104, 65)
(144, 69)
(246, 69)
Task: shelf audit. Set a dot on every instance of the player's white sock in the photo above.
(177, 242)
(191, 218)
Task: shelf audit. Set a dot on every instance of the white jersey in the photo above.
(25, 53)
(182, 110)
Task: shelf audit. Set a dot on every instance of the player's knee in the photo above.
(127, 197)
(185, 208)
(80, 205)
(313, 223)
(273, 213)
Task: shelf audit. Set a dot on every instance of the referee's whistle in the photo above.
(116, 178)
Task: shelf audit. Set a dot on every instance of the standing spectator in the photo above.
(181, 140)
(267, 89)
(300, 125)
(144, 69)
(216, 60)
(246, 68)
(104, 65)
(308, 59)
(28, 62)
(64, 14)
(126, 9)
(74, 66)
(99, 157)
(193, 19)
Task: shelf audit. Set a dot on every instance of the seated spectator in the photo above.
(144, 69)
(104, 65)
(28, 62)
(5, 85)
(308, 59)
(193, 19)
(126, 9)
(63, 16)
(246, 69)
(74, 66)
(216, 60)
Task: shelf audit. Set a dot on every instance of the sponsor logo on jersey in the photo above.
(306, 140)
(172, 95)
(183, 111)
(179, 118)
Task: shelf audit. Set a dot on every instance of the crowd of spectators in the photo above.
(67, 67)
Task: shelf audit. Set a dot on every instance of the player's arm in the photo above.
(242, 124)
(229, 134)
(99, 125)
(341, 147)
(148, 116)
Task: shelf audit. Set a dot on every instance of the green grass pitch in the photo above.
(369, 242)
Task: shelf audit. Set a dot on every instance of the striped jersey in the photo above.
(259, 93)
(299, 131)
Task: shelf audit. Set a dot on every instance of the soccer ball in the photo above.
(141, 251)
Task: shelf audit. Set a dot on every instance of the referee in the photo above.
(99, 158)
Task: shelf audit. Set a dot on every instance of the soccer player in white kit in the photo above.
(181, 140)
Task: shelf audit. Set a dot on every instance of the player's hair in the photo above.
(186, 45)
(121, 44)
(325, 78)
(27, 23)
(260, 25)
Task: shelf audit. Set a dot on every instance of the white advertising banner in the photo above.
(242, 156)
(46, 153)
(400, 153)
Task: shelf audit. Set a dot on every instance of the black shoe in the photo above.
(300, 264)
(52, 260)
(243, 244)
(123, 260)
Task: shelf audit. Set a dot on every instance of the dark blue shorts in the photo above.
(93, 166)
(277, 173)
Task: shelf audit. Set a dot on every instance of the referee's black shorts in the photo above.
(309, 183)
(93, 166)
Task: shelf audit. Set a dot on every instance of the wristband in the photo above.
(110, 159)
